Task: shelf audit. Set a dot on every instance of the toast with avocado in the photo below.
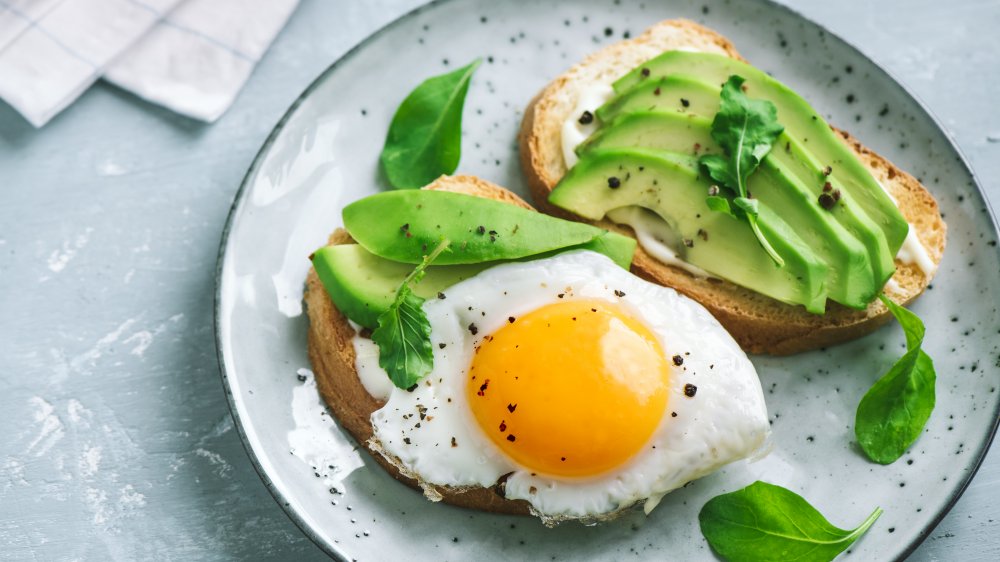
(636, 139)
(361, 272)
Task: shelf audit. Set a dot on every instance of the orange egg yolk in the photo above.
(572, 389)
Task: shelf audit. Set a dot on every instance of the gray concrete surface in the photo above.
(116, 441)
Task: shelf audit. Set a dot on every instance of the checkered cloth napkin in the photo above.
(191, 56)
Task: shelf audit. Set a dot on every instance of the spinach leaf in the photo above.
(893, 412)
(764, 522)
(425, 137)
(403, 334)
(746, 130)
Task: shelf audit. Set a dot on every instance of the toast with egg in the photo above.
(760, 324)
(332, 355)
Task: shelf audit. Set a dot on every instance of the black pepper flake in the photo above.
(614, 183)
(481, 229)
(511, 408)
(453, 442)
(561, 295)
(689, 243)
(836, 195)
(442, 345)
(673, 414)
(503, 426)
(678, 360)
(690, 390)
(302, 378)
(586, 118)
(827, 187)
(685, 102)
(827, 201)
(656, 92)
(702, 234)
(511, 319)
(563, 459)
(828, 170)
(713, 190)
(406, 440)
(482, 387)
(644, 72)
(511, 438)
(441, 296)
(473, 329)
(619, 294)
(405, 227)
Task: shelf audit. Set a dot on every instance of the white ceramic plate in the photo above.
(324, 153)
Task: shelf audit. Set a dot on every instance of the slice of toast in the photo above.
(331, 353)
(760, 324)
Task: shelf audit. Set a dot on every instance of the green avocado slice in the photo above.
(363, 285)
(836, 236)
(670, 185)
(675, 93)
(403, 225)
(801, 122)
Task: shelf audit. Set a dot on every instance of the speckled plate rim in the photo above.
(238, 199)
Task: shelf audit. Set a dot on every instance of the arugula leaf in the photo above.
(403, 334)
(746, 130)
(893, 412)
(425, 136)
(769, 523)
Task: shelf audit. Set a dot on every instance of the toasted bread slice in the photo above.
(331, 353)
(760, 324)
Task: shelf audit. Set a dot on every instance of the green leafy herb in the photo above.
(403, 335)
(746, 130)
(893, 412)
(764, 522)
(425, 137)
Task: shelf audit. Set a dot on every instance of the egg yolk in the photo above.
(573, 389)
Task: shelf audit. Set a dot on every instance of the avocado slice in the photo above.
(669, 185)
(675, 93)
(363, 285)
(703, 100)
(852, 279)
(403, 225)
(801, 122)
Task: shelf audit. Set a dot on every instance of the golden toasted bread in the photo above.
(331, 353)
(760, 324)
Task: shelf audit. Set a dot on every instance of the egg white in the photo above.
(432, 436)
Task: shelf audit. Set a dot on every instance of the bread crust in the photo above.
(760, 324)
(331, 352)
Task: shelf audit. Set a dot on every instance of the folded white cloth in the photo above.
(192, 56)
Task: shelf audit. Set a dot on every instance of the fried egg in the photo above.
(574, 385)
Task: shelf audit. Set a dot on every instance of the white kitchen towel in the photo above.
(192, 56)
